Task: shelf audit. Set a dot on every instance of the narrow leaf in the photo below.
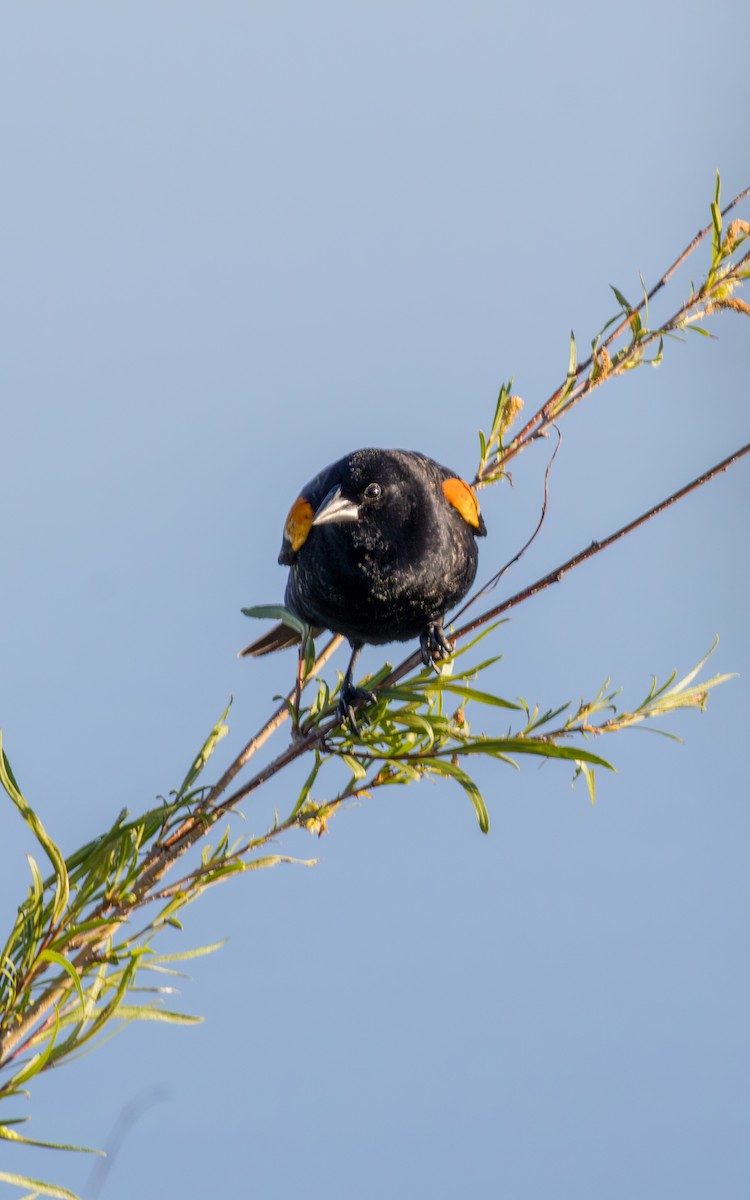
(220, 730)
(307, 785)
(42, 1189)
(573, 357)
(356, 768)
(469, 693)
(716, 218)
(37, 1063)
(588, 775)
(184, 954)
(621, 299)
(276, 612)
(67, 966)
(442, 767)
(511, 745)
(11, 1136)
(678, 687)
(55, 856)
(137, 1012)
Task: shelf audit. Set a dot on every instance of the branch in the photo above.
(581, 379)
(582, 556)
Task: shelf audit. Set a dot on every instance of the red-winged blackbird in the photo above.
(380, 545)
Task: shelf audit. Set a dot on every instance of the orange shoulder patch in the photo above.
(464, 500)
(298, 523)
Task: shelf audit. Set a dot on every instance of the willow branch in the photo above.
(582, 556)
(541, 419)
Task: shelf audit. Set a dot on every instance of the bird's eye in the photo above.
(373, 491)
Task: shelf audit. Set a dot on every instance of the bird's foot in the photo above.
(349, 697)
(434, 644)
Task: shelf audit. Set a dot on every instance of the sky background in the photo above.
(239, 240)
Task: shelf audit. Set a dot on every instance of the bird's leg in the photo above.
(298, 684)
(306, 649)
(350, 694)
(434, 644)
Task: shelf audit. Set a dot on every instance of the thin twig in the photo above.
(492, 583)
(540, 418)
(278, 718)
(582, 556)
(597, 547)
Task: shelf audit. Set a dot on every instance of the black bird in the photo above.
(380, 545)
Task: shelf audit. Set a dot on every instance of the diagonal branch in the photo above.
(582, 556)
(542, 418)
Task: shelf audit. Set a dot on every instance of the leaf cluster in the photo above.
(420, 727)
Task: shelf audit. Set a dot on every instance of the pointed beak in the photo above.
(336, 508)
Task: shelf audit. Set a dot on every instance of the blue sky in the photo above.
(238, 241)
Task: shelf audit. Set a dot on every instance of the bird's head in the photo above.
(375, 486)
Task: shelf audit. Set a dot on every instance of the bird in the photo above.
(380, 545)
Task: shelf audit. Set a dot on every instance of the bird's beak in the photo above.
(336, 508)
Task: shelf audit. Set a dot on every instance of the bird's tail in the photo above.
(277, 638)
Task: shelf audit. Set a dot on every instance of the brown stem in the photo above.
(582, 556)
(157, 862)
(542, 416)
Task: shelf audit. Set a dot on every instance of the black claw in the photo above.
(348, 698)
(434, 644)
(350, 694)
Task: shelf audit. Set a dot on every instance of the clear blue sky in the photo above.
(239, 240)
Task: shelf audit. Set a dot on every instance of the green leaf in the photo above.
(286, 703)
(11, 1136)
(470, 693)
(716, 219)
(498, 420)
(308, 651)
(453, 771)
(37, 886)
(148, 1012)
(182, 955)
(356, 768)
(404, 772)
(276, 612)
(307, 785)
(42, 1189)
(401, 694)
(621, 300)
(573, 358)
(678, 687)
(62, 889)
(67, 966)
(219, 731)
(74, 931)
(417, 723)
(516, 745)
(124, 983)
(274, 860)
(38, 1062)
(585, 770)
